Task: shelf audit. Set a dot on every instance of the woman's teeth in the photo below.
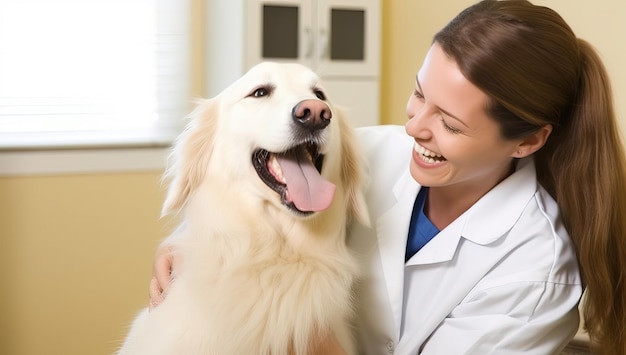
(428, 156)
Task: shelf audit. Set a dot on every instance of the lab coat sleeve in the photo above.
(515, 318)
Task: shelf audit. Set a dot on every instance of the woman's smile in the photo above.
(427, 156)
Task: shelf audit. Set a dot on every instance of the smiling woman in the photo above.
(92, 72)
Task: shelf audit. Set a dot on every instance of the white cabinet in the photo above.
(335, 37)
(339, 39)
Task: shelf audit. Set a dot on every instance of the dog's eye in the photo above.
(261, 92)
(320, 94)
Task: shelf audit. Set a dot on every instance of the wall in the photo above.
(76, 259)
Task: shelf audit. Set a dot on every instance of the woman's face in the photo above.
(456, 143)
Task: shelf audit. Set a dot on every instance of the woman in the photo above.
(516, 186)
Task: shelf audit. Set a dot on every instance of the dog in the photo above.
(264, 179)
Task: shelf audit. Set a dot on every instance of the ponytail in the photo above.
(584, 168)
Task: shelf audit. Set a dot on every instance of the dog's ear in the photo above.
(190, 156)
(353, 171)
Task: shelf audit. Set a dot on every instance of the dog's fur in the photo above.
(256, 276)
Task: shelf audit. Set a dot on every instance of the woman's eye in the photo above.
(449, 128)
(417, 94)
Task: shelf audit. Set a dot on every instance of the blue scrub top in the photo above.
(421, 229)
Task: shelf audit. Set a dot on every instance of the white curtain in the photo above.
(91, 73)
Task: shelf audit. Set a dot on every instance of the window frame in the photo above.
(79, 152)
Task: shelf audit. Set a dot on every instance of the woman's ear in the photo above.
(533, 142)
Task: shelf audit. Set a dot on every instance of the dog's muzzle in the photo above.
(295, 174)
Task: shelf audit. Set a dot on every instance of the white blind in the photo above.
(92, 72)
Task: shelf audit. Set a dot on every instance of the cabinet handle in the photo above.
(308, 51)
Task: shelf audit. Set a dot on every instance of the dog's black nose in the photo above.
(312, 114)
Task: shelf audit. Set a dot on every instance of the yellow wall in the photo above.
(76, 250)
(76, 259)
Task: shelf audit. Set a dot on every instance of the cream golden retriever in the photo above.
(264, 178)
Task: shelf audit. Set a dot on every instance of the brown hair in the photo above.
(537, 72)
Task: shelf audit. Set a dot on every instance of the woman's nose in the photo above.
(412, 128)
(418, 124)
(411, 107)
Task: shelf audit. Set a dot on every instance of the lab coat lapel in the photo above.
(392, 228)
(442, 247)
(482, 224)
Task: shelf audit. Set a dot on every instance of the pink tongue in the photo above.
(308, 190)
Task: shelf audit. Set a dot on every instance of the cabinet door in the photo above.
(280, 30)
(348, 34)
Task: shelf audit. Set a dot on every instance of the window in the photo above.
(90, 73)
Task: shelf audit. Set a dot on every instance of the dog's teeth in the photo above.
(276, 170)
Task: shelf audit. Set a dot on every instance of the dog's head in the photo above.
(275, 131)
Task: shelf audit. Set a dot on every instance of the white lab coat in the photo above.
(501, 279)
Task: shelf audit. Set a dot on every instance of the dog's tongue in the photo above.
(308, 190)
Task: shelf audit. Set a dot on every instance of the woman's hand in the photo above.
(329, 345)
(161, 274)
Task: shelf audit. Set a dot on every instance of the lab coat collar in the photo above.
(481, 224)
(484, 222)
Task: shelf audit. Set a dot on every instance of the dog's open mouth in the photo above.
(295, 175)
